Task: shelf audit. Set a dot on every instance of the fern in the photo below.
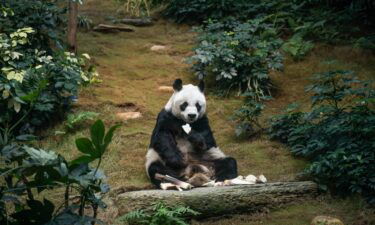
(136, 217)
(160, 215)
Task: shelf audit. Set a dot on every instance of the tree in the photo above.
(72, 25)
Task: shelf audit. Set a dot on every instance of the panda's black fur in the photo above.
(166, 158)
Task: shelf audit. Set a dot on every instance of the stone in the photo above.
(167, 89)
(139, 22)
(326, 220)
(158, 48)
(128, 115)
(105, 28)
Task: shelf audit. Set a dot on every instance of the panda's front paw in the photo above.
(197, 141)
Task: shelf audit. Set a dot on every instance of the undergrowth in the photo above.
(337, 135)
(239, 56)
(160, 215)
(27, 170)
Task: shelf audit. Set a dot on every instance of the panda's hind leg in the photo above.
(225, 169)
(160, 177)
(156, 168)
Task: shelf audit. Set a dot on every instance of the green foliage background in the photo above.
(38, 80)
(337, 135)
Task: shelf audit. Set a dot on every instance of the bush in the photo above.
(247, 117)
(337, 135)
(192, 11)
(35, 83)
(44, 17)
(328, 21)
(26, 170)
(74, 120)
(238, 55)
(34, 80)
(297, 47)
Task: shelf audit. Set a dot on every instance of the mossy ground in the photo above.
(132, 73)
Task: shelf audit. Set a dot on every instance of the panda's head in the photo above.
(187, 102)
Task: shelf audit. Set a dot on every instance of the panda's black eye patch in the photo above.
(199, 107)
(183, 106)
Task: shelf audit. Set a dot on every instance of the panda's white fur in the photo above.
(192, 95)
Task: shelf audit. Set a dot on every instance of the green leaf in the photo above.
(97, 131)
(85, 146)
(82, 159)
(108, 137)
(26, 137)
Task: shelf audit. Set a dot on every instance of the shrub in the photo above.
(84, 22)
(162, 215)
(191, 11)
(337, 135)
(247, 117)
(282, 125)
(327, 21)
(73, 120)
(35, 83)
(44, 17)
(367, 42)
(238, 55)
(297, 47)
(26, 170)
(35, 78)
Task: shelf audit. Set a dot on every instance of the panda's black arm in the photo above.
(166, 146)
(201, 135)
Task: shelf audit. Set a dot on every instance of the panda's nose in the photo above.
(192, 116)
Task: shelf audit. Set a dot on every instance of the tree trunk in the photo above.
(214, 201)
(72, 26)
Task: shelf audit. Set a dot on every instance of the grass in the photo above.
(131, 73)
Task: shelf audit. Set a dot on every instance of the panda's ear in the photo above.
(177, 85)
(201, 85)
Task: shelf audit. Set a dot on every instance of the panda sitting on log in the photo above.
(183, 152)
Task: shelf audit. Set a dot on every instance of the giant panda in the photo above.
(183, 155)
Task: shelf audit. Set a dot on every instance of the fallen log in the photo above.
(136, 22)
(214, 201)
(111, 28)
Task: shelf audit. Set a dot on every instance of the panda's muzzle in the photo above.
(192, 116)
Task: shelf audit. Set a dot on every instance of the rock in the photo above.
(128, 107)
(140, 22)
(105, 28)
(167, 89)
(326, 220)
(158, 48)
(128, 115)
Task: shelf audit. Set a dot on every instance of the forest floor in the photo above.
(131, 73)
